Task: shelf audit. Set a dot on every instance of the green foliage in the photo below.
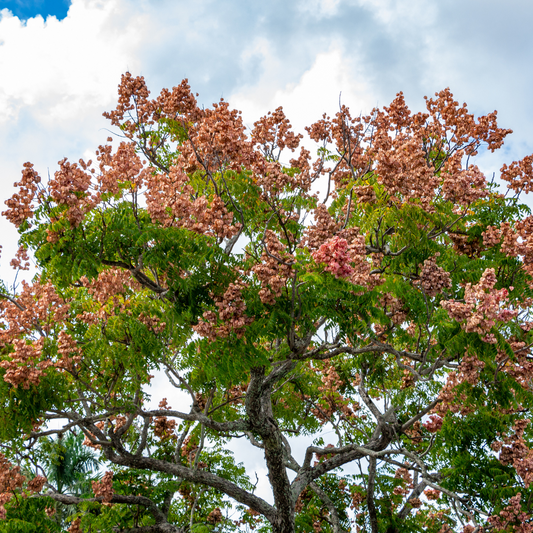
(27, 515)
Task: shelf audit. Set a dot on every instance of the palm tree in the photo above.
(69, 467)
(70, 464)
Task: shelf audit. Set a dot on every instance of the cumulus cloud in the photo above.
(60, 68)
(330, 79)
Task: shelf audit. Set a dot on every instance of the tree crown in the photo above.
(380, 290)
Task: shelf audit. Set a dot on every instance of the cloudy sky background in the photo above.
(61, 61)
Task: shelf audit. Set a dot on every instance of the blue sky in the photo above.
(25, 9)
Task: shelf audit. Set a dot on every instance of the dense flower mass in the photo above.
(274, 269)
(374, 297)
(104, 488)
(20, 205)
(230, 315)
(512, 516)
(334, 255)
(483, 306)
(433, 279)
(10, 480)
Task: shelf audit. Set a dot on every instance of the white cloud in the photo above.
(320, 8)
(63, 68)
(332, 76)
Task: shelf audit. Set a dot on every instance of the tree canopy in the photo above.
(372, 299)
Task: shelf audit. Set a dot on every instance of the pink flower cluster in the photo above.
(332, 401)
(493, 236)
(21, 261)
(450, 400)
(482, 307)
(10, 480)
(515, 242)
(125, 166)
(521, 367)
(434, 424)
(104, 488)
(334, 254)
(20, 205)
(458, 123)
(512, 518)
(463, 186)
(171, 200)
(403, 170)
(38, 308)
(343, 251)
(432, 494)
(216, 142)
(229, 318)
(345, 260)
(417, 158)
(519, 174)
(433, 279)
(366, 194)
(153, 323)
(109, 284)
(69, 353)
(272, 134)
(75, 526)
(38, 305)
(470, 369)
(274, 268)
(36, 484)
(23, 366)
(163, 427)
(394, 308)
(348, 135)
(516, 452)
(323, 228)
(70, 187)
(130, 89)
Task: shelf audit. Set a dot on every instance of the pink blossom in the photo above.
(433, 279)
(434, 423)
(512, 515)
(334, 254)
(482, 307)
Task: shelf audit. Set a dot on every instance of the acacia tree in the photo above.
(374, 299)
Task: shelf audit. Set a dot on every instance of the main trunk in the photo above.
(259, 410)
(284, 526)
(279, 480)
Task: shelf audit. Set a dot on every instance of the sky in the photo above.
(61, 61)
(25, 9)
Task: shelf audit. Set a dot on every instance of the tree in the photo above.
(374, 300)
(69, 468)
(68, 463)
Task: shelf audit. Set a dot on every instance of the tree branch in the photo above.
(195, 476)
(334, 515)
